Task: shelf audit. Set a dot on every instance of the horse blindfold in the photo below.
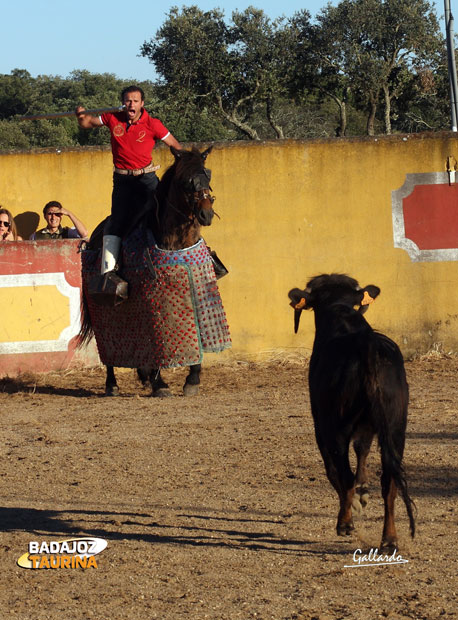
(201, 181)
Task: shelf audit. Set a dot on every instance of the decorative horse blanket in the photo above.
(174, 312)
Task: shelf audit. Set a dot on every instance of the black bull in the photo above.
(358, 389)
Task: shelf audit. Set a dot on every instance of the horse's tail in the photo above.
(86, 332)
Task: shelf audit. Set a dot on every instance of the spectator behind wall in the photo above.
(8, 230)
(53, 213)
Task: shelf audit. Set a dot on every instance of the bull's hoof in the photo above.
(190, 390)
(363, 493)
(345, 529)
(360, 499)
(111, 390)
(389, 545)
(161, 393)
(356, 505)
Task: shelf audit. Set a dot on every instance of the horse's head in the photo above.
(194, 181)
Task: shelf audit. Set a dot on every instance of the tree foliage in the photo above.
(360, 66)
(374, 48)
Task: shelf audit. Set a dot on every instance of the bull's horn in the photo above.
(297, 318)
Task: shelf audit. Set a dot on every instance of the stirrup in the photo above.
(108, 289)
(220, 269)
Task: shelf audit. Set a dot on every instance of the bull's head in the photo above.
(326, 290)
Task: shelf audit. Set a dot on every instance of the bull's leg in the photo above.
(191, 386)
(111, 387)
(347, 492)
(389, 538)
(338, 470)
(362, 446)
(160, 388)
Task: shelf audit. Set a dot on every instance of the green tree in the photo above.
(20, 94)
(12, 136)
(319, 64)
(16, 93)
(229, 70)
(190, 54)
(379, 44)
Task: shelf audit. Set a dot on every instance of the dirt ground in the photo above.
(216, 507)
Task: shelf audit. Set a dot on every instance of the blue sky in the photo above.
(57, 36)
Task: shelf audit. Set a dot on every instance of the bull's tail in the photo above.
(86, 332)
(391, 452)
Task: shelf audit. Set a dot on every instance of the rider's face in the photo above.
(134, 104)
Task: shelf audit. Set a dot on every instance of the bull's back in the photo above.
(348, 373)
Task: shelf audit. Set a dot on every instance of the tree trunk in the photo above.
(234, 120)
(278, 130)
(386, 95)
(371, 117)
(341, 130)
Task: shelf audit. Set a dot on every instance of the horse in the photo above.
(183, 202)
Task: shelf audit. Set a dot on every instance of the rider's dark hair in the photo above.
(132, 89)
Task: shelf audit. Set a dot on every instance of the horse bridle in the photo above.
(200, 189)
(196, 190)
(198, 197)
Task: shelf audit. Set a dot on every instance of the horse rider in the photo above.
(133, 136)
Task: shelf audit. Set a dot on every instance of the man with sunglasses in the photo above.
(133, 136)
(53, 213)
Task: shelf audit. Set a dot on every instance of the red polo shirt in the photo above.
(132, 144)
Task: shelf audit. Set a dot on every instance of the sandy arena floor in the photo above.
(216, 507)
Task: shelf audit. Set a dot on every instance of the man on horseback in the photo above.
(133, 136)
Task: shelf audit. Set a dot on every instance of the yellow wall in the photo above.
(289, 210)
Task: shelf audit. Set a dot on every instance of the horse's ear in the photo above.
(206, 152)
(175, 152)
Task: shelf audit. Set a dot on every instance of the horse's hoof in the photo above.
(161, 393)
(345, 529)
(190, 390)
(112, 390)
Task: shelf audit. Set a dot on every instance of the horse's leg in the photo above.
(144, 376)
(160, 389)
(111, 387)
(191, 386)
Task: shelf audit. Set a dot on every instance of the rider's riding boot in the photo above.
(110, 253)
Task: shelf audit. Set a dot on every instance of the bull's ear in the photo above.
(368, 294)
(298, 302)
(298, 298)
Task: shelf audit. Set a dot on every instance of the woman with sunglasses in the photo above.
(8, 230)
